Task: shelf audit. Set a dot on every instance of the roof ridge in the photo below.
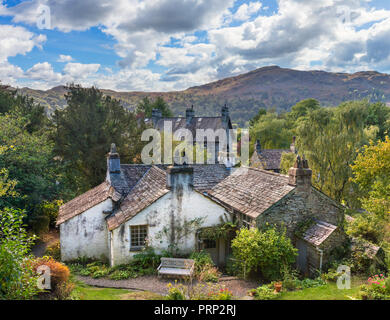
(266, 171)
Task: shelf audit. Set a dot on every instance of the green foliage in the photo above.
(269, 251)
(303, 108)
(54, 251)
(145, 107)
(84, 131)
(344, 127)
(265, 292)
(287, 161)
(204, 267)
(366, 226)
(199, 292)
(223, 230)
(272, 131)
(176, 292)
(29, 162)
(17, 277)
(377, 288)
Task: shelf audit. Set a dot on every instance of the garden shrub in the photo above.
(17, 277)
(268, 251)
(198, 292)
(204, 267)
(377, 288)
(290, 279)
(54, 250)
(265, 292)
(59, 276)
(122, 274)
(146, 259)
(176, 292)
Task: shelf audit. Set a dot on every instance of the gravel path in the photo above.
(152, 283)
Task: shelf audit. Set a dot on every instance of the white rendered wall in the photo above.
(184, 203)
(85, 235)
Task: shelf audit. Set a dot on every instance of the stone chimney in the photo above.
(113, 164)
(225, 113)
(180, 177)
(190, 114)
(156, 115)
(300, 174)
(292, 145)
(258, 146)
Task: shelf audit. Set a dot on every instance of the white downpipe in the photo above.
(321, 254)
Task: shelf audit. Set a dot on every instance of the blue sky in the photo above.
(163, 45)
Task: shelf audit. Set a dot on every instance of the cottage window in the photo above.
(138, 236)
(209, 244)
(244, 220)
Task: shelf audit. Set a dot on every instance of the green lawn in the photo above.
(85, 292)
(326, 292)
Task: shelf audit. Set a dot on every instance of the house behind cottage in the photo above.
(269, 159)
(221, 151)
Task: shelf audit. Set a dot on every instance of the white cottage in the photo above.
(139, 205)
(166, 207)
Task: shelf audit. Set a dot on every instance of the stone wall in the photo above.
(298, 205)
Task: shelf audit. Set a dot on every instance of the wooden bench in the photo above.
(176, 267)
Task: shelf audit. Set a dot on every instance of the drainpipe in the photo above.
(321, 254)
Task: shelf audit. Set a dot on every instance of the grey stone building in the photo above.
(194, 123)
(269, 159)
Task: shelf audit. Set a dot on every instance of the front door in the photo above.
(211, 247)
(302, 256)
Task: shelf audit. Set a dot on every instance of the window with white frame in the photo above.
(138, 235)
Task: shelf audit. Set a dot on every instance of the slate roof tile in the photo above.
(251, 191)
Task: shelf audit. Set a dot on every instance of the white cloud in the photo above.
(17, 40)
(245, 11)
(64, 58)
(336, 35)
(80, 71)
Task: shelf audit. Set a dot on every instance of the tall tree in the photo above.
(146, 106)
(330, 139)
(84, 131)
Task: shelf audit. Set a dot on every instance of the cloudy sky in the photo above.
(163, 45)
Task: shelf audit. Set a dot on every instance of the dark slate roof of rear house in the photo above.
(213, 123)
(86, 201)
(148, 189)
(251, 191)
(268, 159)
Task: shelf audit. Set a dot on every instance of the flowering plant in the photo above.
(378, 288)
(377, 281)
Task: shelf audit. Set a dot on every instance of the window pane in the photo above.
(138, 236)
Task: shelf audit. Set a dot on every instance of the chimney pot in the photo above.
(300, 175)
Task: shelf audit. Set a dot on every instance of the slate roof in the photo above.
(369, 249)
(268, 159)
(318, 232)
(148, 189)
(250, 190)
(86, 201)
(120, 185)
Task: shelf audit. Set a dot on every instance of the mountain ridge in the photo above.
(265, 87)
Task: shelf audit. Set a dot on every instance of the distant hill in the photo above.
(265, 87)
